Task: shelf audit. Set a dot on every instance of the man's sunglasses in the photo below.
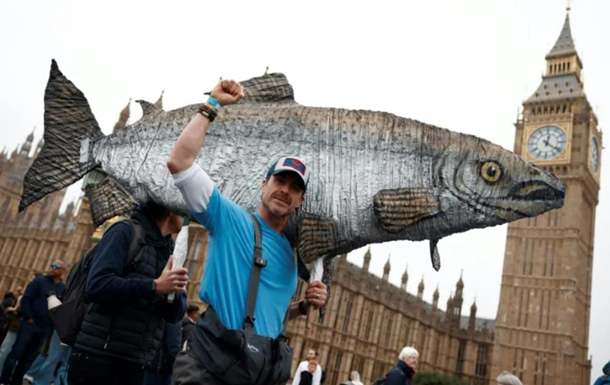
(56, 266)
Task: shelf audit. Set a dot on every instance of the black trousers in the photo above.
(30, 338)
(87, 369)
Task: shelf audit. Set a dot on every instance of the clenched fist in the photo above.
(227, 92)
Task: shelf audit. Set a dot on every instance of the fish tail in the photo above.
(69, 131)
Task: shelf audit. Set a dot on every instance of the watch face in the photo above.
(547, 142)
(594, 160)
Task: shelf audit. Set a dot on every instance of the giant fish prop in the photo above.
(375, 177)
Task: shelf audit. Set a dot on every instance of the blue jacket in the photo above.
(34, 302)
(402, 374)
(603, 380)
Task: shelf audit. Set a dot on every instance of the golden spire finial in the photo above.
(568, 8)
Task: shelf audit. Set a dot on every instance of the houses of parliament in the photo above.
(541, 329)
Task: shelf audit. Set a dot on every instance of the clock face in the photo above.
(547, 142)
(594, 160)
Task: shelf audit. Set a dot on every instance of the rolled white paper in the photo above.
(317, 269)
(180, 251)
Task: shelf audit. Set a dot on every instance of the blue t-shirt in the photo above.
(229, 263)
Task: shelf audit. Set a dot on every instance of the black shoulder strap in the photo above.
(258, 263)
(137, 242)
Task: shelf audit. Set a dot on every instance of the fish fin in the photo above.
(318, 237)
(107, 199)
(271, 88)
(148, 108)
(69, 130)
(398, 209)
(434, 255)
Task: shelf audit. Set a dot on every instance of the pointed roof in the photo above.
(159, 102)
(405, 275)
(387, 267)
(420, 287)
(460, 283)
(30, 137)
(564, 44)
(436, 293)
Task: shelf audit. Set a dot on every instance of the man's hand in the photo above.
(227, 92)
(316, 294)
(171, 281)
(30, 321)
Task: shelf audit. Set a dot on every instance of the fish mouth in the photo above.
(538, 191)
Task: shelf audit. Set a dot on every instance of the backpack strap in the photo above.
(258, 262)
(136, 243)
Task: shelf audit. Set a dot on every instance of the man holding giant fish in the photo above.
(377, 177)
(226, 281)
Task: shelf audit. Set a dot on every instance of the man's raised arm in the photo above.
(189, 143)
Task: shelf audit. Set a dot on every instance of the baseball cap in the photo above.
(290, 163)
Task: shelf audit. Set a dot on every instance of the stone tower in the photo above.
(542, 325)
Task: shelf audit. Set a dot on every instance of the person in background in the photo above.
(354, 379)
(13, 314)
(36, 325)
(306, 377)
(7, 302)
(188, 322)
(605, 378)
(404, 371)
(506, 378)
(312, 354)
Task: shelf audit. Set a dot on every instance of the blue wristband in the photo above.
(214, 102)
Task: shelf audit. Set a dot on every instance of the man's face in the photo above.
(175, 223)
(19, 290)
(194, 315)
(311, 354)
(283, 193)
(411, 362)
(57, 269)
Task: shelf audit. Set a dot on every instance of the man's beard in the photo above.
(282, 215)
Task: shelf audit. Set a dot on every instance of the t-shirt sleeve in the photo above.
(196, 187)
(203, 199)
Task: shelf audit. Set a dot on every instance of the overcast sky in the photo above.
(464, 65)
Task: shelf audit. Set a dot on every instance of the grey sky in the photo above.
(463, 65)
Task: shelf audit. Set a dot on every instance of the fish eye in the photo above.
(491, 171)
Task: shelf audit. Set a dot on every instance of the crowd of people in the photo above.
(132, 333)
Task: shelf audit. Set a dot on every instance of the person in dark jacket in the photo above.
(605, 379)
(124, 325)
(36, 325)
(188, 322)
(403, 372)
(306, 376)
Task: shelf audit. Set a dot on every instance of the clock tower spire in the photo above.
(542, 325)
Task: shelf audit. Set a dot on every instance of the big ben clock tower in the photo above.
(542, 325)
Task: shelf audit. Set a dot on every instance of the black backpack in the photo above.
(68, 317)
(380, 381)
